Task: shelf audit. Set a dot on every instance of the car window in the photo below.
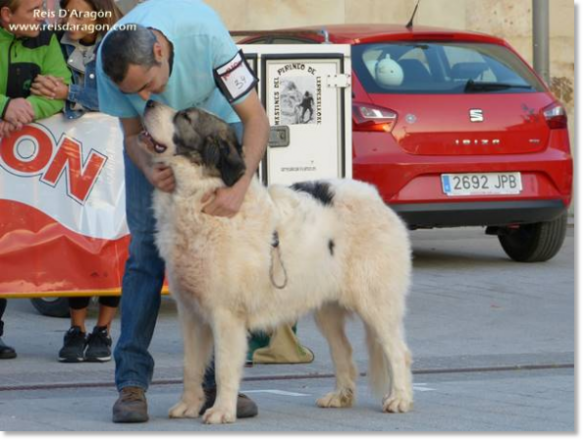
(451, 68)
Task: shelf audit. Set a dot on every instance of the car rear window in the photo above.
(441, 68)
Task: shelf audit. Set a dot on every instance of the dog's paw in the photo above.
(186, 409)
(337, 399)
(216, 415)
(398, 403)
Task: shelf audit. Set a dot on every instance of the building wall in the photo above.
(510, 19)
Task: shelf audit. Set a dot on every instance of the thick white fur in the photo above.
(219, 273)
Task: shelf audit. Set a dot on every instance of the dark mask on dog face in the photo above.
(207, 140)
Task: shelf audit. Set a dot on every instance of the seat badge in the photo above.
(476, 115)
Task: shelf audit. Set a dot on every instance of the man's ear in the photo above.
(158, 52)
(231, 164)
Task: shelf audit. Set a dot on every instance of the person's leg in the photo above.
(99, 341)
(107, 310)
(78, 311)
(75, 339)
(141, 285)
(6, 352)
(3, 303)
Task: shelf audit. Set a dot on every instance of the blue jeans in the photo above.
(141, 285)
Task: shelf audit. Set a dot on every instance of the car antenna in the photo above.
(411, 22)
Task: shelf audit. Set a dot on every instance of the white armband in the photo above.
(235, 78)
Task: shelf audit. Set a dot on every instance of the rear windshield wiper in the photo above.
(471, 86)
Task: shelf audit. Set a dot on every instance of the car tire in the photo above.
(54, 307)
(535, 242)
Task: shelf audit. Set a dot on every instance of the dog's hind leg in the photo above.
(198, 344)
(390, 360)
(331, 321)
(229, 335)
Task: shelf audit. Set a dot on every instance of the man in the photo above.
(175, 56)
(26, 51)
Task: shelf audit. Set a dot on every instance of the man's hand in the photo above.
(226, 201)
(51, 87)
(161, 177)
(19, 113)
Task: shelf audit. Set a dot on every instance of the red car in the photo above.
(455, 129)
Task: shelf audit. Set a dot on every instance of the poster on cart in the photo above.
(62, 207)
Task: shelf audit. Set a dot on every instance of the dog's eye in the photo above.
(187, 117)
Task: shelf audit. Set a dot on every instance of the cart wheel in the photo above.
(54, 307)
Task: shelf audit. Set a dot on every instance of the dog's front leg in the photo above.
(229, 335)
(198, 343)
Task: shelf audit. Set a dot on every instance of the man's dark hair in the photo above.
(130, 44)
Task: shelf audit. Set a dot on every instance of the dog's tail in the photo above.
(379, 372)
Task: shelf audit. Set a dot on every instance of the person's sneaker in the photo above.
(99, 345)
(73, 345)
(131, 406)
(6, 352)
(246, 407)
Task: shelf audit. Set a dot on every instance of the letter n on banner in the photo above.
(81, 177)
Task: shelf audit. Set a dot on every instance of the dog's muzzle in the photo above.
(158, 148)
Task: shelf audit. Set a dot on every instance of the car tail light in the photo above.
(369, 118)
(555, 116)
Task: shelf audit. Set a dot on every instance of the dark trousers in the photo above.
(77, 303)
(2, 308)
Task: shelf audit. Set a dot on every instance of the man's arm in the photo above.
(227, 201)
(136, 146)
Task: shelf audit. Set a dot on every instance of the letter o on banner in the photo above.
(38, 146)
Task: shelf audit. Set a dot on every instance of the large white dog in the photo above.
(331, 247)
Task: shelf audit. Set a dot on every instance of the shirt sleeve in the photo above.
(224, 50)
(111, 100)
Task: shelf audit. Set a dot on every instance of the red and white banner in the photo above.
(62, 207)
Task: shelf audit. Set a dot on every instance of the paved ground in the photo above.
(493, 343)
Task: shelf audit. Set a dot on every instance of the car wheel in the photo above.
(54, 307)
(535, 242)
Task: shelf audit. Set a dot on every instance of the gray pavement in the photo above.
(493, 344)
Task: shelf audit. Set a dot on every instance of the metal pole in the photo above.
(540, 38)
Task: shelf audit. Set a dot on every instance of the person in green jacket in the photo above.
(28, 52)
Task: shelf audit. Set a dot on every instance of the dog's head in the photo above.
(200, 136)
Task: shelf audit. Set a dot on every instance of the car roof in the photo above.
(370, 33)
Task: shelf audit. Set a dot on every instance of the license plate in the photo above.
(461, 184)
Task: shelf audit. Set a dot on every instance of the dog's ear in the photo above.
(226, 157)
(210, 154)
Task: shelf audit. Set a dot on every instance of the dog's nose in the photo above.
(150, 104)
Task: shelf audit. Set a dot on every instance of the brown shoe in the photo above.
(246, 407)
(131, 406)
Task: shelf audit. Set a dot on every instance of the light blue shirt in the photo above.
(201, 43)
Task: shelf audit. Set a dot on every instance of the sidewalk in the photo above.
(475, 320)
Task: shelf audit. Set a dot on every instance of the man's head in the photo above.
(137, 60)
(23, 18)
